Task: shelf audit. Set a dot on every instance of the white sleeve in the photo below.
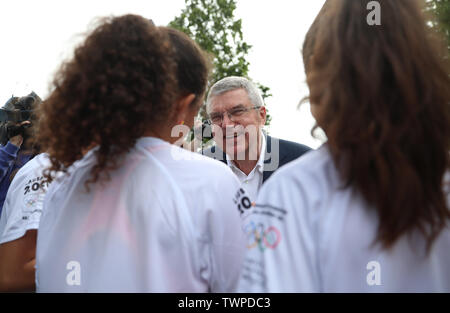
(227, 249)
(281, 240)
(23, 205)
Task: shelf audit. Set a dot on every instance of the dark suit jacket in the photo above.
(287, 152)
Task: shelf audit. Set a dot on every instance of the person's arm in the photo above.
(228, 241)
(18, 228)
(8, 153)
(17, 263)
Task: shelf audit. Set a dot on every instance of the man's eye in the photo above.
(215, 117)
(237, 112)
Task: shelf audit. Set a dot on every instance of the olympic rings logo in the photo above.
(31, 202)
(259, 236)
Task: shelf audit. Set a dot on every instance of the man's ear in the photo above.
(263, 114)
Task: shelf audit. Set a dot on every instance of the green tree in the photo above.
(441, 11)
(212, 24)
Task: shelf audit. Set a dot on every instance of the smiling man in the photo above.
(237, 114)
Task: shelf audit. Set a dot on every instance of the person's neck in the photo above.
(246, 166)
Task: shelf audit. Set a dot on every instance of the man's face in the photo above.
(240, 134)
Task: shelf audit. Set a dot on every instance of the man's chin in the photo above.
(233, 147)
(236, 150)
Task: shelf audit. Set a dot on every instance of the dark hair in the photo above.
(193, 66)
(119, 84)
(385, 94)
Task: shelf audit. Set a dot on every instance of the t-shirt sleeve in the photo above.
(23, 204)
(227, 248)
(281, 240)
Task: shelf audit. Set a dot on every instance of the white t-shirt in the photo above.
(23, 204)
(307, 234)
(168, 220)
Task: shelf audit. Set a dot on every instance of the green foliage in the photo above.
(211, 23)
(441, 11)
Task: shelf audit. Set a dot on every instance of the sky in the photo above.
(36, 36)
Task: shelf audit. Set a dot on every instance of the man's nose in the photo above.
(226, 121)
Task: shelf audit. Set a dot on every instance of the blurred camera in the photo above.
(15, 111)
(13, 130)
(203, 132)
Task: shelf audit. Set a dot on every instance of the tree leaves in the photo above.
(441, 11)
(211, 23)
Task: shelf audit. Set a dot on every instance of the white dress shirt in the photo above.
(309, 234)
(253, 181)
(167, 220)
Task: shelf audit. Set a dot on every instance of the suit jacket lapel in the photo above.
(268, 157)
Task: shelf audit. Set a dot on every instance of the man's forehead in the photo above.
(230, 99)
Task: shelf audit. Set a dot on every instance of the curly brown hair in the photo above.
(120, 83)
(384, 92)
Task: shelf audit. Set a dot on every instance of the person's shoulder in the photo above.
(316, 165)
(294, 149)
(35, 166)
(192, 172)
(209, 152)
(302, 186)
(188, 170)
(197, 163)
(39, 161)
(213, 168)
(313, 161)
(214, 153)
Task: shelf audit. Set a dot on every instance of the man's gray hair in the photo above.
(233, 83)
